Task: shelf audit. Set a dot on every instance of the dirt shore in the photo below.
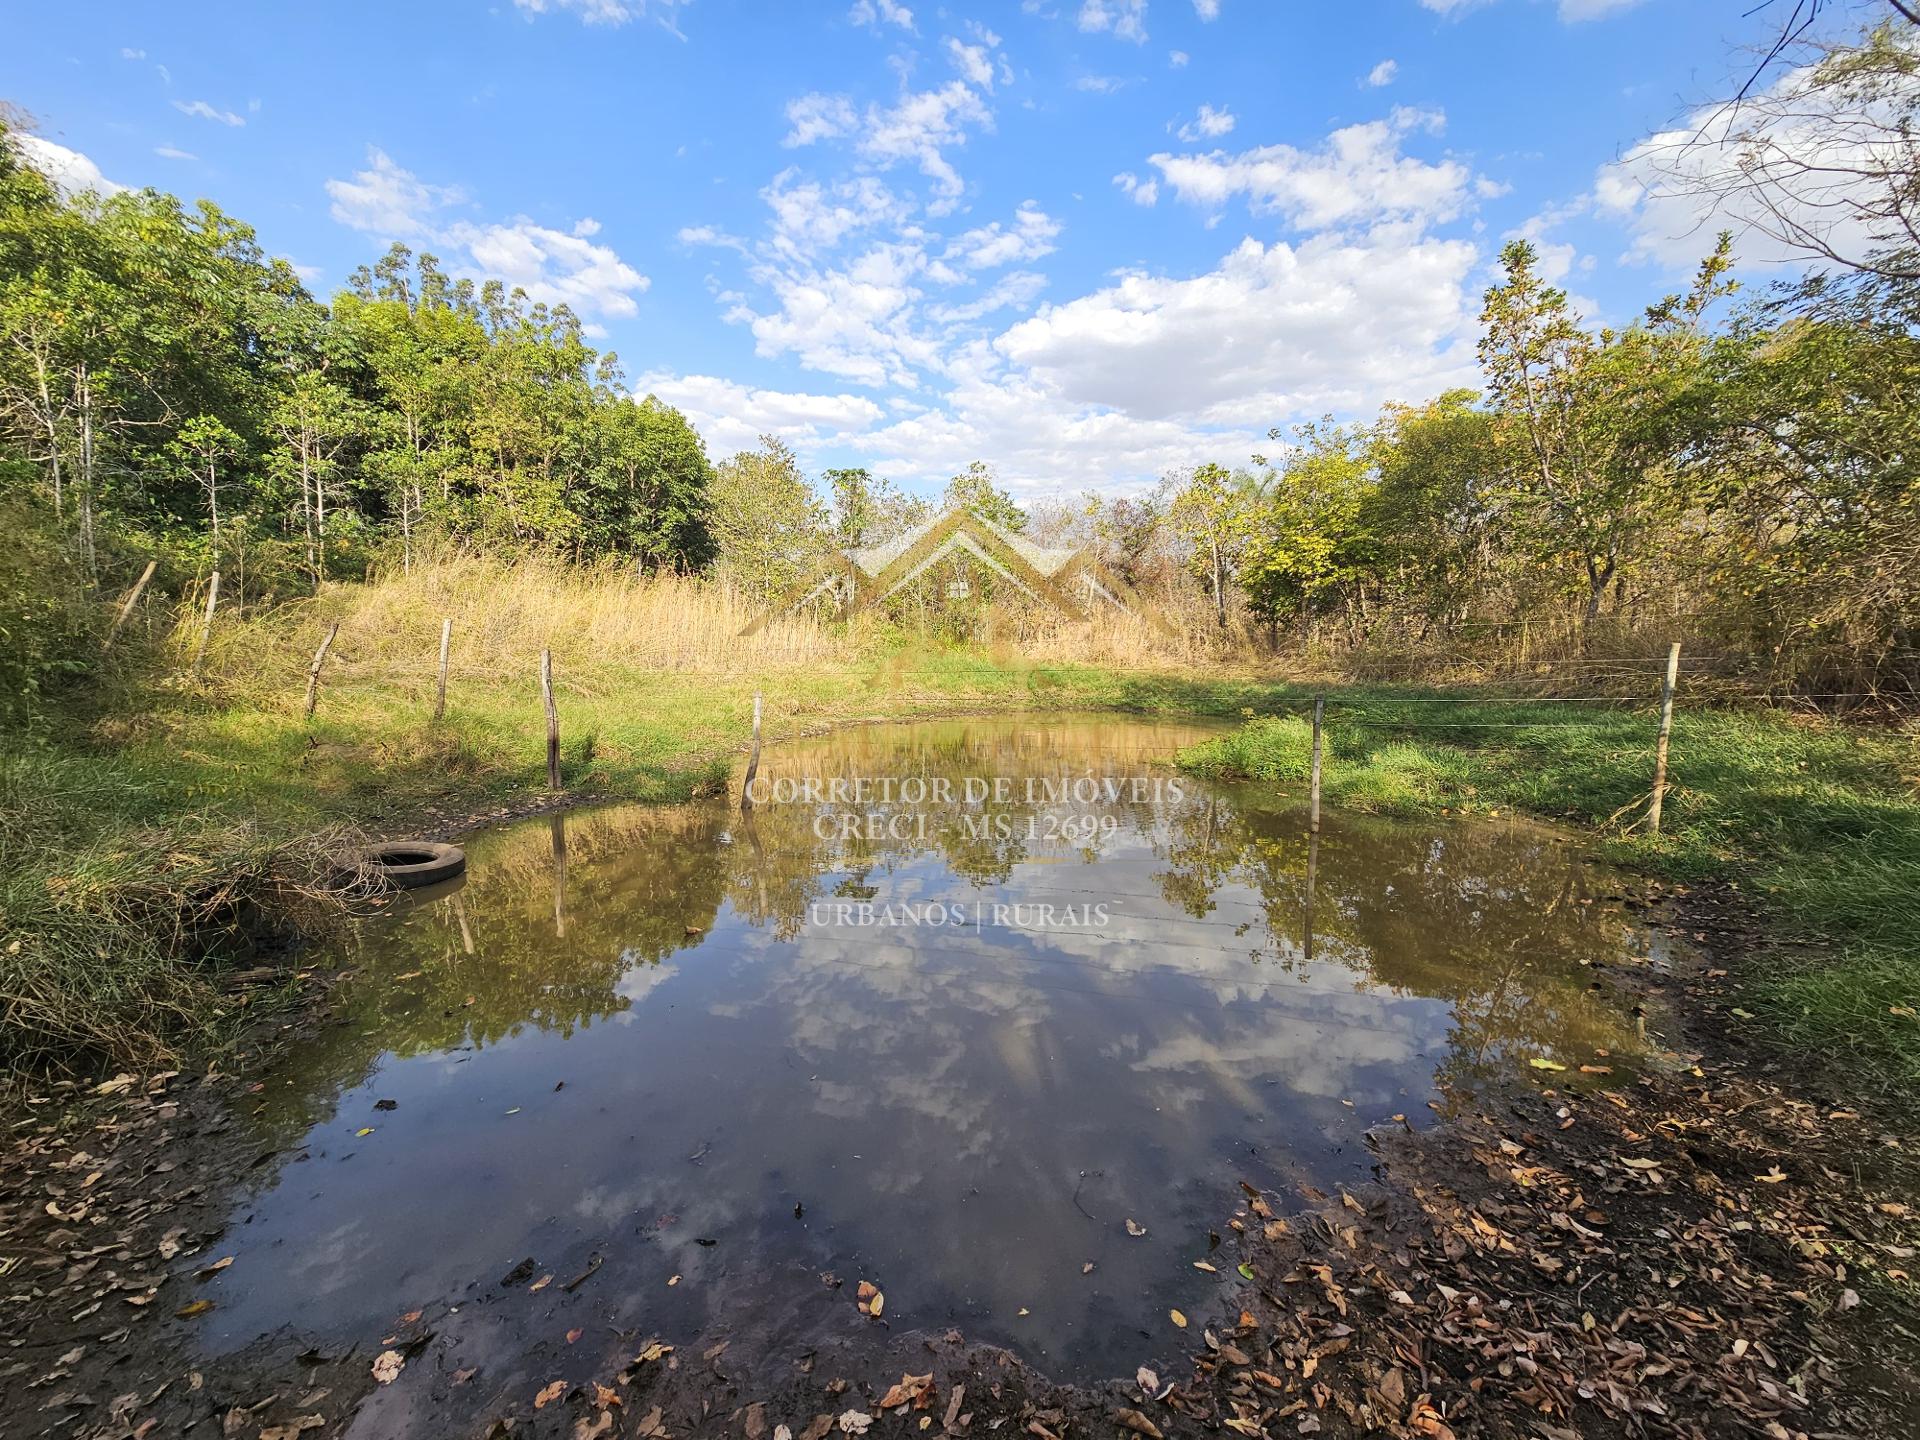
(1720, 1245)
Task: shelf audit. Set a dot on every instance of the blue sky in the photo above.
(1085, 240)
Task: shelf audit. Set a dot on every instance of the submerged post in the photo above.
(753, 760)
(1666, 730)
(446, 638)
(313, 670)
(1313, 871)
(1319, 720)
(553, 720)
(126, 605)
(206, 625)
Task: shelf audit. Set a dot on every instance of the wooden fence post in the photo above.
(206, 625)
(557, 839)
(1319, 720)
(126, 605)
(553, 720)
(1666, 730)
(753, 760)
(313, 671)
(446, 638)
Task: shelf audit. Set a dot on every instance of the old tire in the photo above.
(410, 864)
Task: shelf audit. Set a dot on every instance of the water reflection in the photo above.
(634, 1031)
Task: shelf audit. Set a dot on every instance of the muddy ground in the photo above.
(1719, 1247)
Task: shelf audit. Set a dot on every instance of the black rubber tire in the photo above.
(410, 864)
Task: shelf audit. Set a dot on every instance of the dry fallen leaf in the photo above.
(386, 1369)
(1178, 1318)
(1140, 1425)
(1135, 1228)
(549, 1393)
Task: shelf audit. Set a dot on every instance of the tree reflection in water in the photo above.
(630, 1027)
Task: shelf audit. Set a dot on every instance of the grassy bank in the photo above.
(146, 846)
(1819, 822)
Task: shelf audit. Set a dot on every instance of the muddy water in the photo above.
(950, 1044)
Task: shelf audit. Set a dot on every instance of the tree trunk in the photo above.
(213, 507)
(85, 394)
(52, 423)
(306, 509)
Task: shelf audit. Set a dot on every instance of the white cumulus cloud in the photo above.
(1273, 331)
(1209, 124)
(1358, 176)
(1030, 236)
(732, 417)
(918, 128)
(1723, 166)
(553, 266)
(69, 170)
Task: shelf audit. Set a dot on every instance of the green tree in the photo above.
(1211, 511)
(768, 527)
(1435, 513)
(1307, 537)
(317, 420)
(1587, 419)
(870, 511)
(204, 448)
(977, 488)
(647, 486)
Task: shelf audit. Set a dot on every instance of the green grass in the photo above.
(144, 854)
(146, 851)
(1819, 822)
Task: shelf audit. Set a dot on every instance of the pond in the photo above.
(959, 1024)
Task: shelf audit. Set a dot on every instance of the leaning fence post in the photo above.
(753, 760)
(313, 670)
(1319, 719)
(553, 720)
(126, 605)
(446, 637)
(206, 625)
(1666, 730)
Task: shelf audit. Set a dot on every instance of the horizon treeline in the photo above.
(1740, 470)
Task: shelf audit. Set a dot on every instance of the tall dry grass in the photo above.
(504, 613)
